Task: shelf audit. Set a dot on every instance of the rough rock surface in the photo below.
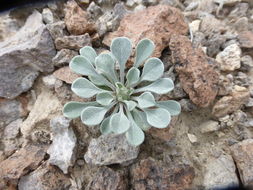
(209, 126)
(197, 77)
(228, 104)
(10, 110)
(108, 179)
(65, 74)
(56, 29)
(229, 58)
(157, 23)
(61, 150)
(243, 155)
(246, 39)
(44, 178)
(63, 57)
(46, 107)
(151, 174)
(18, 164)
(220, 172)
(11, 131)
(73, 42)
(24, 55)
(110, 149)
(76, 19)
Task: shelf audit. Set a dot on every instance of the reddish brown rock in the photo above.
(65, 74)
(46, 178)
(108, 179)
(243, 155)
(151, 174)
(157, 23)
(76, 19)
(246, 39)
(197, 77)
(228, 104)
(20, 163)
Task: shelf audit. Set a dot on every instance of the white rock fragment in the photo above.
(139, 7)
(194, 25)
(47, 16)
(229, 58)
(209, 126)
(192, 138)
(61, 150)
(220, 172)
(11, 131)
(49, 81)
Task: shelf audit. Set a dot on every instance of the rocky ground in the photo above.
(207, 49)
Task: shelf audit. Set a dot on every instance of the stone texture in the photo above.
(157, 23)
(61, 150)
(246, 39)
(49, 81)
(23, 55)
(220, 172)
(110, 149)
(10, 110)
(76, 19)
(11, 131)
(73, 42)
(56, 29)
(108, 179)
(229, 104)
(209, 126)
(243, 155)
(197, 77)
(151, 174)
(44, 178)
(20, 163)
(63, 57)
(66, 74)
(229, 58)
(47, 16)
(45, 108)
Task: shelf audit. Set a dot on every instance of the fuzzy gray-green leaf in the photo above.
(135, 135)
(73, 109)
(81, 65)
(121, 48)
(93, 115)
(171, 106)
(140, 119)
(160, 86)
(84, 88)
(159, 117)
(133, 76)
(104, 98)
(119, 123)
(105, 126)
(89, 53)
(152, 70)
(146, 100)
(130, 104)
(144, 50)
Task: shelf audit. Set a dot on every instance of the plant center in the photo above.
(122, 92)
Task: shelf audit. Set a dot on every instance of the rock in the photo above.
(76, 19)
(220, 172)
(47, 16)
(66, 74)
(45, 108)
(44, 178)
(23, 55)
(242, 153)
(130, 3)
(10, 110)
(139, 7)
(61, 150)
(94, 10)
(73, 42)
(229, 58)
(245, 39)
(110, 149)
(20, 163)
(49, 81)
(192, 138)
(225, 84)
(152, 174)
(63, 57)
(187, 105)
(229, 104)
(240, 10)
(177, 92)
(194, 26)
(246, 63)
(157, 23)
(197, 77)
(209, 126)
(108, 179)
(11, 131)
(242, 79)
(57, 29)
(241, 24)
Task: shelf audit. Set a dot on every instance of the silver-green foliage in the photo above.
(124, 103)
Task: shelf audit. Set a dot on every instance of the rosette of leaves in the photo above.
(123, 103)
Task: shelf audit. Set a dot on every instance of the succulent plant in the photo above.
(124, 103)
